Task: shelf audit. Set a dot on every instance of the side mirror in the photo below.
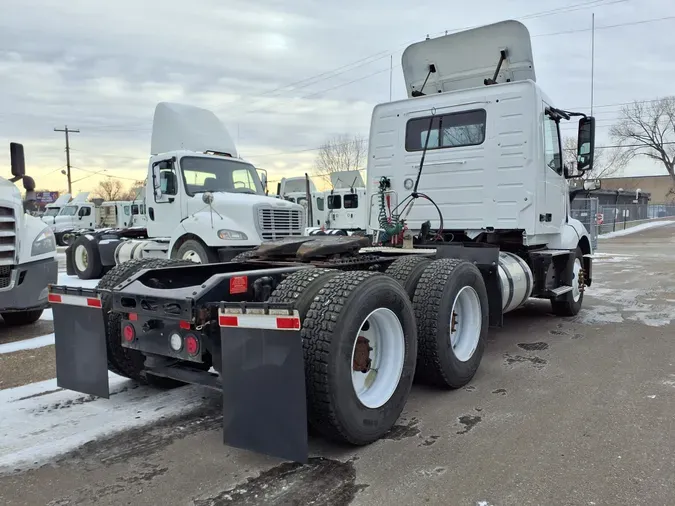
(28, 184)
(592, 184)
(156, 181)
(585, 144)
(17, 159)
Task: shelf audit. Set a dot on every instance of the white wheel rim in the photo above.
(576, 290)
(384, 334)
(192, 256)
(465, 324)
(81, 258)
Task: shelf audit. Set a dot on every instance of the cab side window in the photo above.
(168, 181)
(552, 155)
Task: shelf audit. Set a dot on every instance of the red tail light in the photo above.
(52, 297)
(133, 317)
(191, 345)
(129, 333)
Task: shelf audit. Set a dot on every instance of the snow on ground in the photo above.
(611, 258)
(27, 344)
(41, 422)
(635, 229)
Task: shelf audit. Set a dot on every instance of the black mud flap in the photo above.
(263, 378)
(79, 334)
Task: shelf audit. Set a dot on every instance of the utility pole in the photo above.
(68, 131)
(592, 59)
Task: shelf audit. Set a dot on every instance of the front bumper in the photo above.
(28, 286)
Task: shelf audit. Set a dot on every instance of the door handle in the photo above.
(151, 213)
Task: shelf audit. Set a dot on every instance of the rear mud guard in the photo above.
(263, 378)
(80, 342)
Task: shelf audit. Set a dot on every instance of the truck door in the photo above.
(164, 212)
(552, 214)
(85, 217)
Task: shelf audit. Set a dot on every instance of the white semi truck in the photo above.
(27, 250)
(203, 202)
(469, 219)
(52, 210)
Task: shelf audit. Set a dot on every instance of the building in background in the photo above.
(660, 188)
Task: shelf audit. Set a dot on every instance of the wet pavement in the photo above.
(563, 411)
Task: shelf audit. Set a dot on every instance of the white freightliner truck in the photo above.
(27, 250)
(203, 202)
(52, 210)
(469, 219)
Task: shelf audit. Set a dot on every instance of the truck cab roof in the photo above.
(466, 59)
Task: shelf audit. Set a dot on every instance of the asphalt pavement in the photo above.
(563, 411)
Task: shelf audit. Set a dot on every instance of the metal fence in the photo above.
(586, 211)
(619, 217)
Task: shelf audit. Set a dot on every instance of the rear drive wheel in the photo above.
(86, 258)
(243, 256)
(451, 307)
(570, 303)
(196, 252)
(124, 361)
(18, 318)
(408, 271)
(360, 343)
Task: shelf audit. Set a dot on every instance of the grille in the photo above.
(7, 237)
(278, 223)
(5, 276)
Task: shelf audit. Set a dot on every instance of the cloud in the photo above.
(102, 67)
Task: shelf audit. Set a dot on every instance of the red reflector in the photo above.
(191, 345)
(94, 302)
(129, 333)
(133, 317)
(288, 322)
(228, 321)
(238, 284)
(52, 297)
(184, 325)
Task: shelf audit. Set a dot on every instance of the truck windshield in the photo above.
(68, 211)
(219, 175)
(52, 211)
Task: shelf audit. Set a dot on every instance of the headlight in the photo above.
(43, 243)
(232, 235)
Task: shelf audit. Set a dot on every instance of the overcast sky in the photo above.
(102, 66)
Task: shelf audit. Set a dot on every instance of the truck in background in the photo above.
(28, 262)
(203, 202)
(52, 210)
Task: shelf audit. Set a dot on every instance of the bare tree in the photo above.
(136, 190)
(342, 152)
(110, 189)
(647, 129)
(605, 163)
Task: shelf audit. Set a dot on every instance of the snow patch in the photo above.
(636, 229)
(27, 344)
(64, 279)
(41, 422)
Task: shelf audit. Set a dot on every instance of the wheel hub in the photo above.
(362, 360)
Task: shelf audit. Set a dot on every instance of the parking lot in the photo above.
(563, 411)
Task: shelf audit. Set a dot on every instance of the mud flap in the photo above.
(263, 378)
(79, 334)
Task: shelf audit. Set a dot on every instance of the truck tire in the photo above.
(17, 318)
(359, 342)
(194, 251)
(570, 303)
(408, 271)
(301, 287)
(86, 259)
(243, 256)
(451, 307)
(124, 361)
